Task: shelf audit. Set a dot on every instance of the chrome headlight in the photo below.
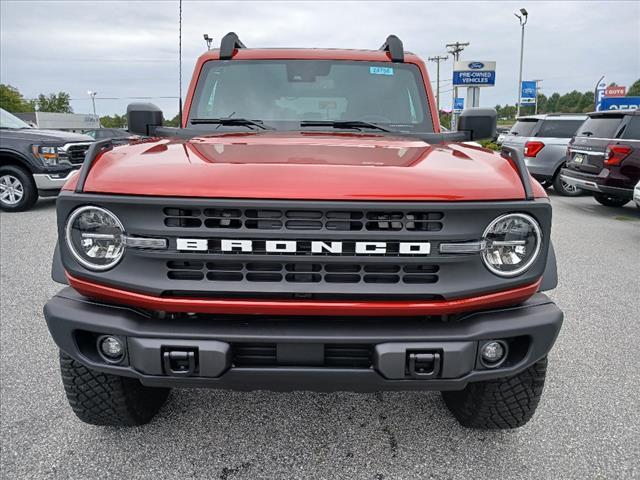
(513, 243)
(50, 155)
(95, 237)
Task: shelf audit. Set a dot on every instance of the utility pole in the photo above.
(207, 39)
(455, 49)
(522, 18)
(438, 59)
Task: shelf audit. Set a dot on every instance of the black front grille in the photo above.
(253, 219)
(303, 272)
(76, 153)
(335, 355)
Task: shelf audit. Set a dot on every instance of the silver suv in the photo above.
(543, 140)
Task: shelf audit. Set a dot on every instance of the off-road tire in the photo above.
(564, 189)
(30, 192)
(610, 200)
(103, 399)
(499, 404)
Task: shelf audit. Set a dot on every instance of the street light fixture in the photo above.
(93, 102)
(207, 39)
(523, 16)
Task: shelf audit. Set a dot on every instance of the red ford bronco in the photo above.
(309, 227)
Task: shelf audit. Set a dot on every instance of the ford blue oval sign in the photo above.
(476, 65)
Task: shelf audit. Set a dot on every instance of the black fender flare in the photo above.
(57, 269)
(550, 275)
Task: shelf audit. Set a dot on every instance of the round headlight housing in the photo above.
(95, 237)
(513, 243)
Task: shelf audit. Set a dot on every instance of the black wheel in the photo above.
(17, 189)
(610, 200)
(565, 189)
(499, 404)
(103, 399)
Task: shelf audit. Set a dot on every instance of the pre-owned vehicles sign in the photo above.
(474, 74)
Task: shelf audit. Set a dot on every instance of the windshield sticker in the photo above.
(381, 70)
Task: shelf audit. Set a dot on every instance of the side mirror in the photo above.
(143, 118)
(479, 122)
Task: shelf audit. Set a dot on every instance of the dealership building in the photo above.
(71, 122)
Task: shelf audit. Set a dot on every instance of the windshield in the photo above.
(523, 128)
(600, 127)
(11, 121)
(284, 93)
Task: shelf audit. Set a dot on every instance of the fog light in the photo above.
(493, 352)
(111, 347)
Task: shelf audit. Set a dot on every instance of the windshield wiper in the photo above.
(343, 124)
(228, 121)
(586, 134)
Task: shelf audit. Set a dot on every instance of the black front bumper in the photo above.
(302, 347)
(594, 183)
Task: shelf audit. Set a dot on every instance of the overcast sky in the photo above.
(130, 49)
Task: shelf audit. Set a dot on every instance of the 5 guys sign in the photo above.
(615, 91)
(474, 74)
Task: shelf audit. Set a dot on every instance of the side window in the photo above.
(632, 132)
(559, 128)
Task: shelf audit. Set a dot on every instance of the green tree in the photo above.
(552, 103)
(172, 122)
(12, 100)
(115, 121)
(445, 120)
(54, 102)
(542, 103)
(587, 103)
(634, 89)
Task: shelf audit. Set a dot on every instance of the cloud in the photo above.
(128, 49)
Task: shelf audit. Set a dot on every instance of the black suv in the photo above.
(604, 156)
(35, 162)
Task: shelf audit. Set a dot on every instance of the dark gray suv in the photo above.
(35, 162)
(543, 141)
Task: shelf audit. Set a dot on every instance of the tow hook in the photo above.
(179, 362)
(423, 364)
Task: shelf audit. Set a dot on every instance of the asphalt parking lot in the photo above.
(587, 425)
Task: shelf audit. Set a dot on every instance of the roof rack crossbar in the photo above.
(228, 45)
(394, 46)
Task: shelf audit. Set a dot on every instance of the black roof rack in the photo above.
(228, 45)
(394, 46)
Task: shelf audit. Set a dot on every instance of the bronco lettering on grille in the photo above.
(302, 247)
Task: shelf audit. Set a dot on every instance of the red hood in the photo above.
(319, 166)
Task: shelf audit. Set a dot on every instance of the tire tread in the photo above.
(499, 404)
(103, 399)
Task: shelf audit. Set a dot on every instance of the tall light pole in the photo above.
(455, 49)
(93, 101)
(438, 59)
(523, 16)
